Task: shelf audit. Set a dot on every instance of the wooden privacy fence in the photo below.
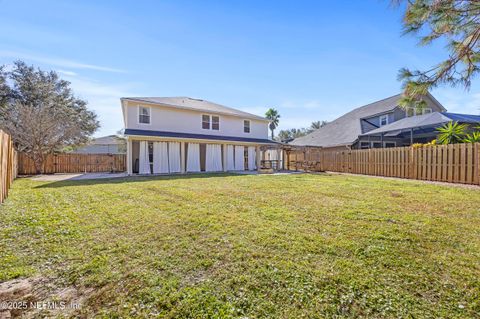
(8, 164)
(455, 163)
(74, 163)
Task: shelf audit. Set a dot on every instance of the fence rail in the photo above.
(8, 164)
(74, 163)
(455, 163)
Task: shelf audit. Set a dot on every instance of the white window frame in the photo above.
(383, 117)
(249, 126)
(425, 109)
(209, 122)
(415, 112)
(149, 115)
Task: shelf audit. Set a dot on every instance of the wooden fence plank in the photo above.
(75, 163)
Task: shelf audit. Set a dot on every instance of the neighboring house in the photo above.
(110, 144)
(182, 134)
(415, 129)
(353, 130)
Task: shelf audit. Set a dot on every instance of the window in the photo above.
(246, 126)
(376, 144)
(389, 144)
(383, 120)
(364, 145)
(206, 122)
(215, 123)
(412, 111)
(143, 115)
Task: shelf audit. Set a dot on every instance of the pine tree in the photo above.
(456, 22)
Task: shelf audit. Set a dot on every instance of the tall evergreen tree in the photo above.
(457, 22)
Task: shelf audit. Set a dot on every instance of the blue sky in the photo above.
(312, 60)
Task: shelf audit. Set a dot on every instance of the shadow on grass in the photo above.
(133, 179)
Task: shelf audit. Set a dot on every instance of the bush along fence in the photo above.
(74, 163)
(8, 164)
(454, 163)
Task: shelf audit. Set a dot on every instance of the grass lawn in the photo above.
(289, 246)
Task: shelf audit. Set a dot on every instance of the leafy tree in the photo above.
(274, 117)
(458, 23)
(451, 133)
(41, 113)
(4, 88)
(287, 135)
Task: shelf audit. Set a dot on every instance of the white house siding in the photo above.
(190, 121)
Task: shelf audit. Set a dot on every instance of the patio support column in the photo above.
(182, 157)
(129, 156)
(224, 157)
(257, 157)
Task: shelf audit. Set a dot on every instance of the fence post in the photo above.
(476, 161)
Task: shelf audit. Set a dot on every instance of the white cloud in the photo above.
(59, 62)
(68, 73)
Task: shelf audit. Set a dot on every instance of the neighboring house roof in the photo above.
(196, 136)
(109, 139)
(422, 121)
(346, 129)
(188, 103)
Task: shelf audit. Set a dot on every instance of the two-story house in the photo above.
(369, 126)
(181, 134)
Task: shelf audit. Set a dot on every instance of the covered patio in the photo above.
(151, 152)
(410, 130)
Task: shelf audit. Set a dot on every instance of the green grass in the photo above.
(291, 246)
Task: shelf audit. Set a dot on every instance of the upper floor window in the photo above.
(412, 111)
(206, 122)
(143, 115)
(383, 120)
(215, 123)
(246, 126)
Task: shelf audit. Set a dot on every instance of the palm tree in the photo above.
(317, 124)
(451, 133)
(274, 118)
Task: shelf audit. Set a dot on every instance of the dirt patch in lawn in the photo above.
(39, 297)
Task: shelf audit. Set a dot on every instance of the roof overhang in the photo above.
(195, 137)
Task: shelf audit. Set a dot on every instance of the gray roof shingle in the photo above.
(184, 102)
(346, 129)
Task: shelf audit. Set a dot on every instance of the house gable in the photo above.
(345, 130)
